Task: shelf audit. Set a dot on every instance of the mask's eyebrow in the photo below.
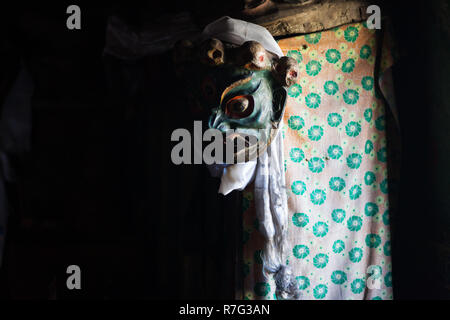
(237, 84)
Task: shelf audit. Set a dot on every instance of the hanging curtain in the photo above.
(335, 150)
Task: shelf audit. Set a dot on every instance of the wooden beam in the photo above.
(312, 16)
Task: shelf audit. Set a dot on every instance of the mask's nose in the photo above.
(217, 121)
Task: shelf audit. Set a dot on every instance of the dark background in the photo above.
(96, 186)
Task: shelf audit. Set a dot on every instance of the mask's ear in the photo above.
(278, 103)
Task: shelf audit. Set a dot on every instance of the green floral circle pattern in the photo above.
(370, 209)
(300, 251)
(313, 38)
(320, 261)
(338, 246)
(337, 184)
(333, 55)
(320, 229)
(295, 54)
(296, 122)
(351, 34)
(384, 186)
(295, 90)
(353, 129)
(296, 155)
(318, 197)
(380, 123)
(338, 215)
(387, 248)
(330, 87)
(350, 96)
(388, 279)
(338, 277)
(365, 52)
(373, 240)
(382, 155)
(348, 65)
(368, 147)
(335, 152)
(313, 68)
(386, 217)
(312, 100)
(369, 178)
(300, 219)
(358, 286)
(303, 282)
(316, 165)
(320, 291)
(354, 161)
(334, 119)
(355, 255)
(354, 223)
(298, 187)
(315, 133)
(354, 192)
(367, 83)
(368, 114)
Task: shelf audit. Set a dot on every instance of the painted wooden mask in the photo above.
(236, 89)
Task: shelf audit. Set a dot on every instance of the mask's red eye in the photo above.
(239, 107)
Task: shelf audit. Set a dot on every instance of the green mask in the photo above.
(239, 89)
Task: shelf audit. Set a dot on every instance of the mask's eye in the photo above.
(239, 107)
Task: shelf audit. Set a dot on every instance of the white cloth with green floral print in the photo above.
(336, 173)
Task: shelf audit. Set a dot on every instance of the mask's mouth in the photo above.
(236, 138)
(239, 147)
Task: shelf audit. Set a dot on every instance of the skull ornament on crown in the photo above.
(238, 88)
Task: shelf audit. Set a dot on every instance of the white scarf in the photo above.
(267, 171)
